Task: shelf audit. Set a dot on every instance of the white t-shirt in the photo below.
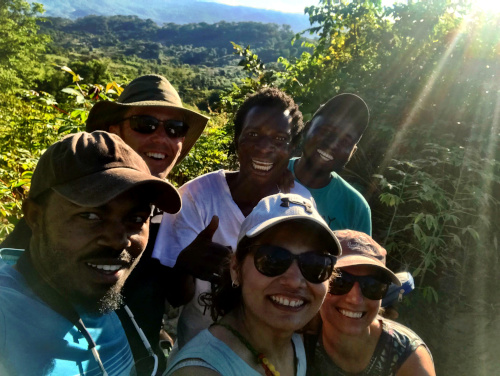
(202, 198)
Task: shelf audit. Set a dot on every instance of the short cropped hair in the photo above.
(348, 106)
(270, 98)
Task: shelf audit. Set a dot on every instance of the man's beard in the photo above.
(111, 299)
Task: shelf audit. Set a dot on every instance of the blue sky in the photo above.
(297, 6)
(288, 6)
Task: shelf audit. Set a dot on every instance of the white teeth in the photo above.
(287, 302)
(107, 268)
(325, 155)
(263, 166)
(353, 315)
(156, 155)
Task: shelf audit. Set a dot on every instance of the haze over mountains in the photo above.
(176, 11)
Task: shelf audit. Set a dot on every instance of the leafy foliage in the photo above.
(20, 45)
(428, 163)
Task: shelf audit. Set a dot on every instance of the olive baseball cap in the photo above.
(91, 169)
(359, 248)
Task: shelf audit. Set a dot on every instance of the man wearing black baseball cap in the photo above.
(88, 209)
(330, 142)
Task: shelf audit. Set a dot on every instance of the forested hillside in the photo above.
(167, 11)
(195, 44)
(428, 163)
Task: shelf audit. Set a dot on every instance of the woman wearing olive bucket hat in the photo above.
(147, 103)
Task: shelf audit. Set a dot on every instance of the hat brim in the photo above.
(102, 115)
(101, 187)
(357, 260)
(334, 244)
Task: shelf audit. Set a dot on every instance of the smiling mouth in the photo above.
(106, 268)
(261, 166)
(324, 155)
(351, 314)
(158, 156)
(287, 302)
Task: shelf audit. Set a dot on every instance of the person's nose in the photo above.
(114, 234)
(265, 144)
(293, 277)
(355, 296)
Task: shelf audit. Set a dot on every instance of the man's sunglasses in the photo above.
(148, 124)
(272, 261)
(371, 287)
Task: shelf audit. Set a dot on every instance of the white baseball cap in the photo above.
(282, 207)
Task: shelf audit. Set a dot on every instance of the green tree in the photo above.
(20, 45)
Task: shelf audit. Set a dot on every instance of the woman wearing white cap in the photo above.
(275, 283)
(354, 340)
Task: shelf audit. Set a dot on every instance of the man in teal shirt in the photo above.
(330, 142)
(88, 209)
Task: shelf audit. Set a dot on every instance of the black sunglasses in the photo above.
(146, 124)
(371, 287)
(272, 261)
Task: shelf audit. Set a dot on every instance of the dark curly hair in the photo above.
(272, 98)
(223, 297)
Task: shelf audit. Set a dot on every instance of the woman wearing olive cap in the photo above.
(354, 340)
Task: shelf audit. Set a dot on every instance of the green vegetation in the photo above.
(428, 163)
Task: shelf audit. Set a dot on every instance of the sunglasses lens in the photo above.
(144, 124)
(271, 260)
(149, 124)
(373, 288)
(175, 128)
(340, 285)
(316, 267)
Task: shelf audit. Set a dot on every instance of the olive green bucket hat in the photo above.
(147, 91)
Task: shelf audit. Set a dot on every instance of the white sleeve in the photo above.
(177, 231)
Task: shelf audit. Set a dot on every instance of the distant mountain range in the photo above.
(175, 11)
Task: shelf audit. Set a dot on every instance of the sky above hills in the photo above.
(286, 6)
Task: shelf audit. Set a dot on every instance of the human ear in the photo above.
(116, 129)
(33, 214)
(234, 269)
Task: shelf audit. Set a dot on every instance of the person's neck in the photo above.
(309, 175)
(352, 353)
(275, 345)
(245, 193)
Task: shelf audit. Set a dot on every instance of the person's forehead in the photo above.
(264, 115)
(335, 123)
(159, 112)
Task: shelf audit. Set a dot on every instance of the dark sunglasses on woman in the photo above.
(371, 287)
(146, 124)
(272, 261)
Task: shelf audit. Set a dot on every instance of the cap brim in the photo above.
(101, 187)
(102, 113)
(334, 245)
(355, 260)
